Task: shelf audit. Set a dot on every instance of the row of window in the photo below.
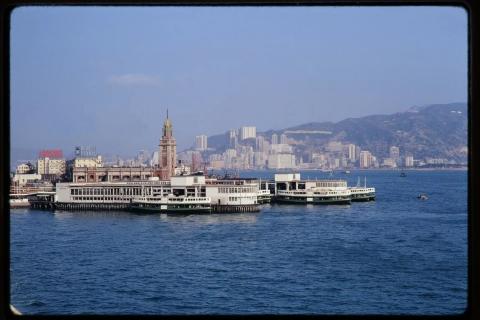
(106, 191)
(241, 198)
(237, 190)
(98, 198)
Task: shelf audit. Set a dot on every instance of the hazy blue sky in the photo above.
(105, 76)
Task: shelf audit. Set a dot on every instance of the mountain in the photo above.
(437, 131)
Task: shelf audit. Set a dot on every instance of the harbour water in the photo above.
(395, 255)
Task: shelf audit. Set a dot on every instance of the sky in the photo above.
(105, 76)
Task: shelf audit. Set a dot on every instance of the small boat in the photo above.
(347, 171)
(403, 174)
(422, 196)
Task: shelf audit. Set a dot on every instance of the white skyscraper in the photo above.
(201, 142)
(274, 138)
(283, 138)
(351, 152)
(248, 132)
(409, 161)
(365, 159)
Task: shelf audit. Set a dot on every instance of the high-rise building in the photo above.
(395, 153)
(248, 132)
(283, 138)
(365, 159)
(357, 152)
(351, 152)
(274, 138)
(201, 142)
(167, 155)
(232, 138)
(409, 161)
(281, 161)
(51, 162)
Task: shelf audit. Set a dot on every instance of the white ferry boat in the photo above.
(171, 204)
(264, 196)
(19, 202)
(289, 188)
(362, 193)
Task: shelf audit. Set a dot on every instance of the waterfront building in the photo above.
(248, 132)
(274, 138)
(21, 179)
(281, 161)
(119, 194)
(111, 174)
(409, 161)
(201, 142)
(389, 162)
(51, 163)
(366, 160)
(167, 154)
(232, 191)
(283, 138)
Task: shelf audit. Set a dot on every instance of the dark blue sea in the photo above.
(396, 255)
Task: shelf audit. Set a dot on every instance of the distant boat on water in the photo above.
(403, 174)
(422, 196)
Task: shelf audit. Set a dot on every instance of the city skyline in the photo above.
(84, 71)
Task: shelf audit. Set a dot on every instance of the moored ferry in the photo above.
(289, 188)
(264, 196)
(314, 196)
(362, 193)
(171, 204)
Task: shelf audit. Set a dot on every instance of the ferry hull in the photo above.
(363, 198)
(314, 201)
(169, 210)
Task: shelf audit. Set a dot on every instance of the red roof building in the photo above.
(52, 154)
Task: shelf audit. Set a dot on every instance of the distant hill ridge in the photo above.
(437, 130)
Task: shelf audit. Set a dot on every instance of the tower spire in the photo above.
(167, 113)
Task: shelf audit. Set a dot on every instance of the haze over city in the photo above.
(106, 76)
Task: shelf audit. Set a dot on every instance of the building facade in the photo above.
(111, 174)
(366, 160)
(91, 162)
(409, 161)
(201, 142)
(248, 132)
(48, 166)
(274, 138)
